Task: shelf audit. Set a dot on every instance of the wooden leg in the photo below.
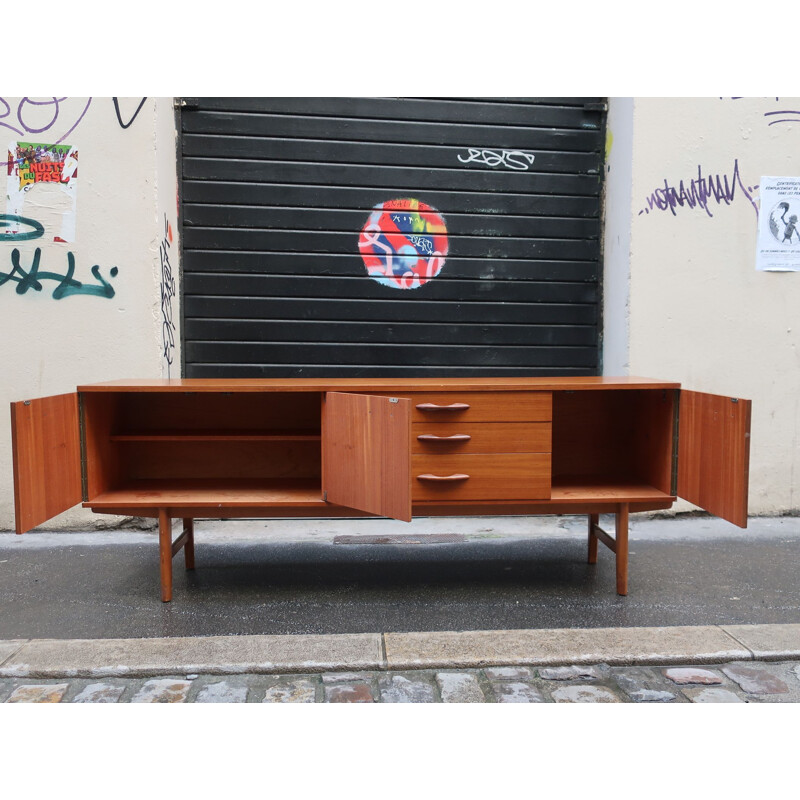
(594, 520)
(188, 547)
(622, 548)
(165, 553)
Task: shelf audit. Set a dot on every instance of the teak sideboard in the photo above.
(182, 449)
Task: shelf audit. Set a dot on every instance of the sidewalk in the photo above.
(701, 664)
(442, 610)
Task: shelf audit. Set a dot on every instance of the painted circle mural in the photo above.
(403, 243)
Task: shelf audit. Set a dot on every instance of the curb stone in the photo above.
(564, 649)
(756, 663)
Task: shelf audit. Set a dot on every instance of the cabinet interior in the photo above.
(183, 441)
(613, 439)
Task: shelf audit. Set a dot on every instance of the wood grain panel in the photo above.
(379, 386)
(46, 450)
(714, 454)
(221, 459)
(506, 476)
(484, 437)
(482, 407)
(103, 465)
(210, 495)
(228, 408)
(366, 445)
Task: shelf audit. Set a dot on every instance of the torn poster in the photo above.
(42, 185)
(778, 246)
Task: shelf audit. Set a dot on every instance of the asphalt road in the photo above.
(363, 576)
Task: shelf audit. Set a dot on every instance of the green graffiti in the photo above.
(32, 277)
(35, 229)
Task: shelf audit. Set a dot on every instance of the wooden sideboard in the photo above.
(182, 449)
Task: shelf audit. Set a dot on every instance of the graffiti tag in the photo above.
(699, 192)
(167, 293)
(786, 115)
(19, 229)
(49, 114)
(510, 159)
(125, 125)
(422, 243)
(31, 277)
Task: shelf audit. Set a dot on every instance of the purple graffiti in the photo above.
(19, 120)
(699, 192)
(796, 118)
(786, 115)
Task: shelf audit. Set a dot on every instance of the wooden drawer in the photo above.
(481, 406)
(441, 438)
(501, 476)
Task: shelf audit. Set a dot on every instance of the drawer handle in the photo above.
(435, 407)
(432, 437)
(429, 477)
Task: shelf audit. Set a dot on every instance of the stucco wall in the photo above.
(123, 202)
(693, 307)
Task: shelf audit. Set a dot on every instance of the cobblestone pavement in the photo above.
(734, 682)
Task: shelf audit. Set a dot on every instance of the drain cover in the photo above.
(403, 538)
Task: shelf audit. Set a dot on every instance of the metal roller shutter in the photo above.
(290, 271)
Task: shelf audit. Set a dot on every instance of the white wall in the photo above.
(126, 196)
(698, 312)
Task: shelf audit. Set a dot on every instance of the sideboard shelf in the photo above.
(592, 489)
(211, 494)
(216, 436)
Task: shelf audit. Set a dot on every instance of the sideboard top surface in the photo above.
(507, 384)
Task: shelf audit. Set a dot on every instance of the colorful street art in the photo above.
(403, 243)
(53, 166)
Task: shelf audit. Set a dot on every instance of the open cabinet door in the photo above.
(45, 441)
(366, 453)
(714, 454)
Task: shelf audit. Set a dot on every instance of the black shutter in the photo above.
(275, 193)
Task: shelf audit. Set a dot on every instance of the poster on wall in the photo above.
(42, 185)
(778, 248)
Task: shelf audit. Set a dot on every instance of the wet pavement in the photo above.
(479, 610)
(293, 577)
